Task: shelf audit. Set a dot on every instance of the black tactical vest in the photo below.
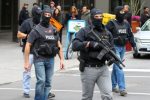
(120, 33)
(46, 44)
(91, 55)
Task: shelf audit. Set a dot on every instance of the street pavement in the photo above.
(66, 83)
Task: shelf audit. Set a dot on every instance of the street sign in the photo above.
(75, 25)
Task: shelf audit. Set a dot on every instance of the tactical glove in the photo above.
(94, 45)
(110, 61)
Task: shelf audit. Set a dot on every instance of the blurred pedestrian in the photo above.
(23, 33)
(24, 13)
(52, 6)
(128, 14)
(35, 4)
(145, 15)
(85, 15)
(72, 14)
(59, 17)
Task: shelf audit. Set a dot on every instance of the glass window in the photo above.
(146, 26)
(5, 13)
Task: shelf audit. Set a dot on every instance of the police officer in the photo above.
(45, 45)
(121, 32)
(93, 70)
(23, 32)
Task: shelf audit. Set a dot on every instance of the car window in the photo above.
(146, 26)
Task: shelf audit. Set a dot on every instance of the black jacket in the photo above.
(24, 14)
(128, 17)
(81, 39)
(144, 18)
(111, 27)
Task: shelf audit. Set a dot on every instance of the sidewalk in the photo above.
(11, 60)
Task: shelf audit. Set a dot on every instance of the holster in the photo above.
(82, 64)
(120, 41)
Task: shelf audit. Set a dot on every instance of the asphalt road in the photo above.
(67, 85)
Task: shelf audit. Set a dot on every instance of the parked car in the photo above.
(142, 39)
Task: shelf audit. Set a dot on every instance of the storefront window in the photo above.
(66, 4)
(5, 13)
(77, 3)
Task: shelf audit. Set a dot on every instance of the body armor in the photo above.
(120, 33)
(91, 55)
(46, 44)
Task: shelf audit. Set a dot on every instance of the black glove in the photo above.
(110, 61)
(94, 45)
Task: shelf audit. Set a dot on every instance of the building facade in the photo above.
(9, 10)
(8, 17)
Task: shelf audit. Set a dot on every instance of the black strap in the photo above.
(116, 25)
(40, 31)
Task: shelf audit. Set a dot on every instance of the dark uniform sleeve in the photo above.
(128, 17)
(57, 33)
(79, 42)
(110, 26)
(33, 35)
(111, 40)
(130, 36)
(24, 27)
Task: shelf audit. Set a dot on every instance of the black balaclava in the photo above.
(119, 16)
(96, 22)
(45, 20)
(36, 14)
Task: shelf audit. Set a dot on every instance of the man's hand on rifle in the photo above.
(94, 45)
(110, 61)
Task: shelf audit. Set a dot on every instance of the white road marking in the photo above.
(72, 91)
(126, 70)
(78, 75)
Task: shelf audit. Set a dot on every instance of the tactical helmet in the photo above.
(95, 11)
(118, 9)
(36, 10)
(47, 10)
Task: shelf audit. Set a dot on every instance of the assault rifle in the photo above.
(106, 50)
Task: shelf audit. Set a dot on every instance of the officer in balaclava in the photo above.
(120, 14)
(45, 45)
(93, 70)
(23, 33)
(46, 15)
(36, 14)
(121, 32)
(97, 20)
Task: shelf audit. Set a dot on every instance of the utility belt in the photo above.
(121, 41)
(46, 51)
(95, 65)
